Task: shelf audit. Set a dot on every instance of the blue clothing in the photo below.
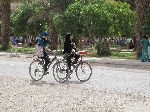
(42, 42)
(13, 40)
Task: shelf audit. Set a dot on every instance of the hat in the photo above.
(44, 34)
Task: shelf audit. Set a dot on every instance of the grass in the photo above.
(28, 50)
(92, 52)
(24, 50)
(115, 54)
(125, 55)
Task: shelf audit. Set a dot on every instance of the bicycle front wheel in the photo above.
(60, 71)
(83, 71)
(36, 70)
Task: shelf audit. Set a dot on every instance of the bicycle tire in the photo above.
(83, 70)
(33, 69)
(60, 67)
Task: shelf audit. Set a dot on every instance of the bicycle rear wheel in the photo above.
(83, 71)
(60, 71)
(36, 70)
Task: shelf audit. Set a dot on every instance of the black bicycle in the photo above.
(83, 70)
(36, 68)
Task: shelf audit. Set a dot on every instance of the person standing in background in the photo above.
(144, 44)
(13, 41)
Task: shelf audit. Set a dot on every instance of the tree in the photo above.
(23, 24)
(46, 9)
(5, 23)
(97, 19)
(141, 7)
(146, 26)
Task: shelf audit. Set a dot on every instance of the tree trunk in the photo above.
(141, 6)
(53, 35)
(5, 25)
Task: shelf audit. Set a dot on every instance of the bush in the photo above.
(5, 48)
(102, 50)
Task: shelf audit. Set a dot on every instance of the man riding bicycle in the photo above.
(42, 42)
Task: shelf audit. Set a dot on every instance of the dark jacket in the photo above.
(68, 45)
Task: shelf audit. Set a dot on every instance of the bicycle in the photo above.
(36, 68)
(62, 68)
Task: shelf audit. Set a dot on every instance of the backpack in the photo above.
(39, 51)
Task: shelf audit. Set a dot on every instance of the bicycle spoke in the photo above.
(59, 72)
(83, 71)
(36, 70)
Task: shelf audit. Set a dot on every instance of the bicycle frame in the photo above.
(43, 61)
(55, 58)
(75, 66)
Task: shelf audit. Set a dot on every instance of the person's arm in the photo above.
(48, 42)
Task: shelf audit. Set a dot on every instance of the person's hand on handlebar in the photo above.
(48, 50)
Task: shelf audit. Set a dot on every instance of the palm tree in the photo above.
(5, 22)
(141, 7)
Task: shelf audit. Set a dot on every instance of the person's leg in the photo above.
(76, 57)
(47, 61)
(69, 62)
(15, 49)
(12, 48)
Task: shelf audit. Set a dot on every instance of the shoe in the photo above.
(74, 62)
(69, 70)
(46, 72)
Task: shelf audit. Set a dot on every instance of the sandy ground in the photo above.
(23, 95)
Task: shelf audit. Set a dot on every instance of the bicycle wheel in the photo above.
(60, 71)
(83, 71)
(36, 70)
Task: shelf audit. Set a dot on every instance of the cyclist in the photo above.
(70, 50)
(42, 42)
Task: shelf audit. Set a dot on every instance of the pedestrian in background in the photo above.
(144, 44)
(13, 41)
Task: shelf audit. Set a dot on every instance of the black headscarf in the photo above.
(67, 38)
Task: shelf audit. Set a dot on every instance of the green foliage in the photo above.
(5, 47)
(97, 18)
(24, 24)
(102, 50)
(123, 19)
(69, 21)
